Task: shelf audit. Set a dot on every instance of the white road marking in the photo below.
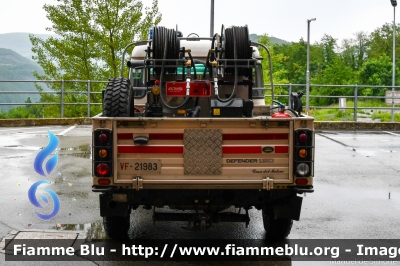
(31, 132)
(65, 131)
(391, 133)
(21, 128)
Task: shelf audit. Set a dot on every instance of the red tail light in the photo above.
(103, 181)
(301, 181)
(303, 138)
(103, 138)
(103, 169)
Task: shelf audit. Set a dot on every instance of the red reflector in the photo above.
(303, 137)
(104, 181)
(102, 169)
(241, 149)
(172, 136)
(281, 149)
(150, 149)
(301, 181)
(124, 136)
(276, 136)
(103, 137)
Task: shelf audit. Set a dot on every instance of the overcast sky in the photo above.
(284, 19)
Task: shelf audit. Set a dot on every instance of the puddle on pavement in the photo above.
(21, 147)
(93, 230)
(367, 153)
(390, 151)
(13, 146)
(83, 151)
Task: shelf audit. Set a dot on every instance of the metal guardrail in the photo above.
(355, 97)
(62, 93)
(290, 87)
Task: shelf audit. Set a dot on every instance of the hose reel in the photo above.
(166, 45)
(236, 45)
(236, 49)
(166, 48)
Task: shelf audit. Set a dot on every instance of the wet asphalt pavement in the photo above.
(357, 191)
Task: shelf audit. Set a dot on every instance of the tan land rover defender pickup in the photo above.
(189, 130)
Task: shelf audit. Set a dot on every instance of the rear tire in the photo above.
(118, 99)
(116, 227)
(276, 229)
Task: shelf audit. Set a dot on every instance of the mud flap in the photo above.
(109, 208)
(289, 210)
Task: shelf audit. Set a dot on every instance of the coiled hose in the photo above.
(236, 45)
(166, 46)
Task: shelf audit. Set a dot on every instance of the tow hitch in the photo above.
(202, 221)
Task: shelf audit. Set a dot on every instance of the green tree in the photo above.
(27, 111)
(334, 68)
(349, 53)
(381, 41)
(329, 48)
(34, 110)
(279, 73)
(293, 61)
(91, 36)
(376, 72)
(336, 73)
(278, 69)
(377, 69)
(354, 51)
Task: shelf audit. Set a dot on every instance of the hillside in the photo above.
(255, 38)
(19, 42)
(16, 67)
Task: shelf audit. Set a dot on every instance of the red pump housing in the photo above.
(281, 114)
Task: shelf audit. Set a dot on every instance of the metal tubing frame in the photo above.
(269, 65)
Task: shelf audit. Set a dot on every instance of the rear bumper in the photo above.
(197, 199)
(301, 190)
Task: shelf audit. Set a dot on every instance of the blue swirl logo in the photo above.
(35, 202)
(50, 165)
(52, 162)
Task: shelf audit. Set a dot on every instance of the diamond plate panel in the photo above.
(202, 151)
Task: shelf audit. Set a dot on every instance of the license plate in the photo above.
(139, 166)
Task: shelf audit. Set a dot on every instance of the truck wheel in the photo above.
(276, 229)
(118, 99)
(116, 226)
